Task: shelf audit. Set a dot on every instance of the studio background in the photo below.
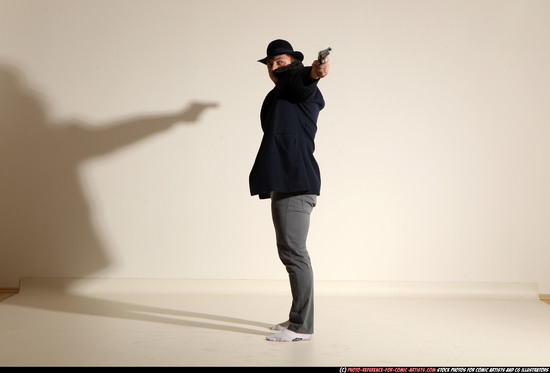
(433, 145)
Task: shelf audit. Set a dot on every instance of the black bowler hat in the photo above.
(279, 46)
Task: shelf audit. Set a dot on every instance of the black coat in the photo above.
(285, 161)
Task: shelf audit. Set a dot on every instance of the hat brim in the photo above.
(298, 55)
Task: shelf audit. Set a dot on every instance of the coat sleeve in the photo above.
(297, 85)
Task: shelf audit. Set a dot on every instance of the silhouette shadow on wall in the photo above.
(45, 223)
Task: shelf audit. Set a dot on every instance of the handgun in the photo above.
(323, 54)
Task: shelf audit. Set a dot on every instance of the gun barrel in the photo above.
(324, 53)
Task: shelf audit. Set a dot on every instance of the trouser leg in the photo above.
(291, 216)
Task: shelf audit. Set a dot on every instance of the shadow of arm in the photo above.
(109, 138)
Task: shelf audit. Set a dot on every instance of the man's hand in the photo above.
(320, 70)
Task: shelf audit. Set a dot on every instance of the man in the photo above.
(286, 171)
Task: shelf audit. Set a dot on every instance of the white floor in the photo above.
(94, 322)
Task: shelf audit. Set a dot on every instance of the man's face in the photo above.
(277, 62)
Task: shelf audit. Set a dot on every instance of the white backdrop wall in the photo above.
(434, 144)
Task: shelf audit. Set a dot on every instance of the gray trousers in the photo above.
(291, 215)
